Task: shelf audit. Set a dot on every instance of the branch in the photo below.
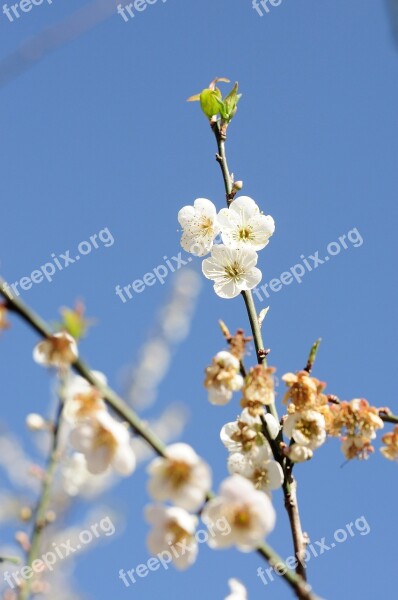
(385, 414)
(117, 404)
(289, 487)
(39, 522)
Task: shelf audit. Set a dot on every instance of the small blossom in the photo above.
(244, 434)
(83, 400)
(304, 391)
(243, 225)
(258, 389)
(182, 478)
(232, 271)
(257, 466)
(238, 590)
(173, 527)
(249, 512)
(104, 442)
(223, 378)
(200, 226)
(390, 439)
(298, 453)
(306, 428)
(59, 350)
(36, 422)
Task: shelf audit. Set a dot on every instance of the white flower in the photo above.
(200, 226)
(242, 225)
(306, 428)
(238, 590)
(104, 442)
(232, 271)
(183, 477)
(173, 527)
(298, 453)
(257, 466)
(242, 435)
(82, 400)
(223, 378)
(58, 350)
(249, 512)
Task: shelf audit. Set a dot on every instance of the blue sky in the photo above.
(98, 135)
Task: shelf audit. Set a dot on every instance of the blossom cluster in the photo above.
(103, 441)
(244, 231)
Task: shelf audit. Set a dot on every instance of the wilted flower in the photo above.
(183, 477)
(390, 439)
(354, 418)
(244, 434)
(238, 590)
(306, 428)
(243, 225)
(58, 350)
(258, 389)
(232, 271)
(259, 467)
(304, 391)
(223, 378)
(248, 511)
(173, 527)
(82, 400)
(104, 442)
(200, 226)
(355, 446)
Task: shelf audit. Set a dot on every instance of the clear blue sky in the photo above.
(98, 134)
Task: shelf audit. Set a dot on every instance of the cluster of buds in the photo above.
(356, 423)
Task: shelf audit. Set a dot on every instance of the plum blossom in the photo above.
(238, 590)
(298, 453)
(304, 391)
(58, 350)
(200, 226)
(244, 434)
(223, 378)
(258, 389)
(248, 511)
(173, 526)
(243, 225)
(104, 442)
(82, 400)
(259, 467)
(182, 477)
(306, 428)
(232, 270)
